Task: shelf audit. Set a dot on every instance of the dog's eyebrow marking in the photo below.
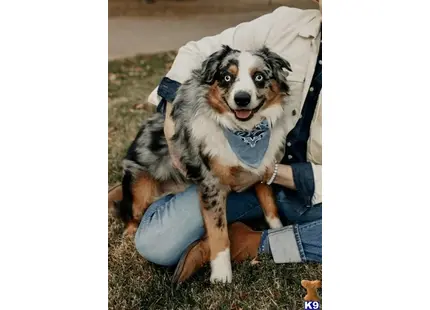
(233, 69)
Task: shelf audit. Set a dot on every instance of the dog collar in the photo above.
(250, 146)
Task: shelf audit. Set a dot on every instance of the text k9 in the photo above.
(312, 305)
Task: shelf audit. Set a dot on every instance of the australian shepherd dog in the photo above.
(232, 94)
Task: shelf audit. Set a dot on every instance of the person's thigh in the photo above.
(292, 209)
(175, 221)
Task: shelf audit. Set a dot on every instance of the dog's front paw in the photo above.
(221, 268)
(274, 222)
(221, 275)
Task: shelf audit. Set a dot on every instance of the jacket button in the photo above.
(294, 112)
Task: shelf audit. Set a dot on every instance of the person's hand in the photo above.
(169, 130)
(243, 180)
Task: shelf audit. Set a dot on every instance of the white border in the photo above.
(53, 127)
(53, 159)
(375, 133)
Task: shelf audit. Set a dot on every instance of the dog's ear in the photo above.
(211, 65)
(280, 67)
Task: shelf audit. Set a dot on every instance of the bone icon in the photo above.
(311, 288)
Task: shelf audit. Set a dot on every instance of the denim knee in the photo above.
(169, 226)
(155, 251)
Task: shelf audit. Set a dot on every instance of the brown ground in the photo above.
(192, 7)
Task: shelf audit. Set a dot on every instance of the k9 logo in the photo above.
(312, 305)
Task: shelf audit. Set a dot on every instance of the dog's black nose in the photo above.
(242, 98)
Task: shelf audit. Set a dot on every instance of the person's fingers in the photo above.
(238, 189)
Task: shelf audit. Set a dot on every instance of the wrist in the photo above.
(267, 174)
(271, 173)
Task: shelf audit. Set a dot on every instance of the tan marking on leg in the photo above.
(145, 190)
(215, 99)
(131, 228)
(267, 201)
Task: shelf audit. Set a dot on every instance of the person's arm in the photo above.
(305, 178)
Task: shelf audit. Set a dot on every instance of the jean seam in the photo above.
(240, 217)
(311, 224)
(299, 242)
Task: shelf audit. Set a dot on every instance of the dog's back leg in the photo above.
(267, 201)
(138, 193)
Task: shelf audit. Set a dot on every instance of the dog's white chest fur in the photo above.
(207, 131)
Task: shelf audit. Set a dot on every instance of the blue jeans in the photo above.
(172, 223)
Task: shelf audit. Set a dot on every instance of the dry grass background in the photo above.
(135, 283)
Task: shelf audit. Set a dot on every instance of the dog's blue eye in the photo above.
(227, 78)
(259, 78)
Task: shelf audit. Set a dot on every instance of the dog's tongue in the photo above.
(242, 113)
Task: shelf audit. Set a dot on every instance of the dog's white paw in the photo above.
(221, 268)
(274, 222)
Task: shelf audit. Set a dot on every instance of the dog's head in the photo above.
(246, 87)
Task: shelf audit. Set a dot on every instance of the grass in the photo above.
(135, 283)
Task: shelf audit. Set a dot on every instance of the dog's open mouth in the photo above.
(246, 114)
(243, 115)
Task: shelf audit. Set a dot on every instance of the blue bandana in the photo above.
(250, 146)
